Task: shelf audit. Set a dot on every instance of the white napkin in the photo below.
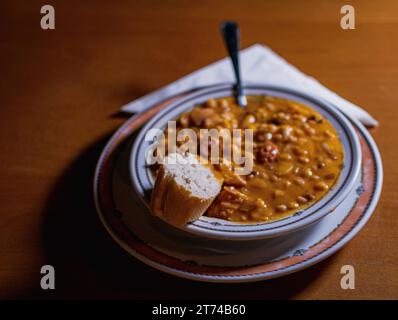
(259, 64)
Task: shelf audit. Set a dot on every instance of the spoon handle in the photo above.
(230, 32)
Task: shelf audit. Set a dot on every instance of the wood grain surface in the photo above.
(60, 92)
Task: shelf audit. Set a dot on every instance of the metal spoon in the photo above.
(230, 32)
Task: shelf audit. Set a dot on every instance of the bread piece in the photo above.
(184, 189)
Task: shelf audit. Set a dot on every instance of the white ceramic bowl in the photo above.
(143, 181)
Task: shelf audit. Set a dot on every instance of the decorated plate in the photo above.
(182, 254)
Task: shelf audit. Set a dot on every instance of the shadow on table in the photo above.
(88, 264)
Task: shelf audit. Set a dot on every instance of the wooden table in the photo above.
(60, 91)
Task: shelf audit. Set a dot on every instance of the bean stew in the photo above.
(297, 157)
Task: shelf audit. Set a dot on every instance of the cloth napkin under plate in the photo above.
(260, 65)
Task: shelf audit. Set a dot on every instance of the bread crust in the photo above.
(174, 203)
